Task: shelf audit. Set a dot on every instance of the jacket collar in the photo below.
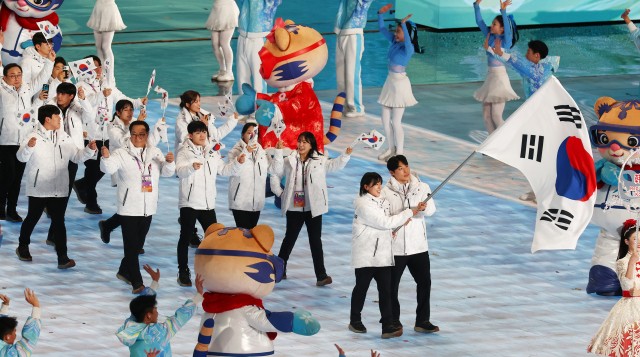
(135, 152)
(294, 157)
(31, 52)
(397, 187)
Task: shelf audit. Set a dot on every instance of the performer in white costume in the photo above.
(222, 22)
(105, 20)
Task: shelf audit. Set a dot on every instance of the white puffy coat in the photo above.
(215, 134)
(79, 111)
(247, 190)
(47, 173)
(412, 238)
(32, 64)
(371, 242)
(198, 187)
(131, 200)
(93, 93)
(319, 165)
(19, 113)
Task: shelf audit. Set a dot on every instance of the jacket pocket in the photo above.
(36, 180)
(1, 126)
(376, 248)
(126, 193)
(311, 177)
(189, 195)
(236, 194)
(259, 170)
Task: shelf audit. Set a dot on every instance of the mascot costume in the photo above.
(239, 269)
(292, 55)
(617, 132)
(19, 22)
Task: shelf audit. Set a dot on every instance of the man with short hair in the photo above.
(410, 249)
(8, 328)
(47, 152)
(34, 57)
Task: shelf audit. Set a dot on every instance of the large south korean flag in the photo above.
(547, 139)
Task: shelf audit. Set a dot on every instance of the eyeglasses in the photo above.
(601, 140)
(15, 76)
(139, 135)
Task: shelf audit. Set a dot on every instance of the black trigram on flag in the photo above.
(562, 220)
(532, 147)
(569, 114)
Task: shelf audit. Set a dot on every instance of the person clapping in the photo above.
(8, 328)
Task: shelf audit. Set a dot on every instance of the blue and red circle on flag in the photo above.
(576, 173)
(26, 117)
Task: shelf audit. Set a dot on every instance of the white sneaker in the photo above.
(226, 77)
(215, 76)
(354, 114)
(529, 196)
(385, 156)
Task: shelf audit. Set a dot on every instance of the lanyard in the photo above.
(304, 176)
(140, 166)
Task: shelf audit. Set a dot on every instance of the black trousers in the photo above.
(11, 171)
(188, 217)
(56, 206)
(382, 275)
(420, 269)
(295, 221)
(73, 169)
(134, 233)
(246, 219)
(92, 174)
(112, 223)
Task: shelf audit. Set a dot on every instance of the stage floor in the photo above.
(490, 295)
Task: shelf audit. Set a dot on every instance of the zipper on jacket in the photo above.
(36, 180)
(60, 147)
(23, 106)
(376, 249)
(189, 195)
(236, 194)
(259, 170)
(209, 167)
(125, 197)
(1, 126)
(311, 177)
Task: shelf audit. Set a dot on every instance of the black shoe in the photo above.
(195, 240)
(184, 277)
(391, 331)
(93, 208)
(14, 217)
(23, 253)
(66, 263)
(104, 235)
(357, 327)
(324, 282)
(426, 327)
(124, 277)
(80, 193)
(51, 243)
(397, 323)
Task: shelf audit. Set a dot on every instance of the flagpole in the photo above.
(442, 184)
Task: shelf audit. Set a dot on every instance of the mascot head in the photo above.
(292, 54)
(238, 261)
(33, 8)
(618, 130)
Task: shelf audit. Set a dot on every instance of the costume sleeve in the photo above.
(174, 323)
(508, 36)
(609, 174)
(383, 29)
(408, 46)
(376, 218)
(621, 269)
(479, 21)
(30, 335)
(204, 338)
(634, 32)
(234, 168)
(338, 163)
(267, 321)
(521, 65)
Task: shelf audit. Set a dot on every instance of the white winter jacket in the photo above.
(72, 121)
(93, 94)
(32, 64)
(124, 161)
(215, 134)
(119, 133)
(47, 173)
(198, 187)
(371, 242)
(319, 165)
(19, 112)
(247, 190)
(412, 238)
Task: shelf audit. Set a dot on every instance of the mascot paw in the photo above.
(246, 103)
(26, 44)
(603, 281)
(304, 324)
(265, 113)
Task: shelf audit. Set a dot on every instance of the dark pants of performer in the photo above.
(382, 275)
(73, 169)
(56, 206)
(134, 232)
(295, 221)
(188, 217)
(11, 171)
(92, 174)
(246, 219)
(112, 223)
(420, 270)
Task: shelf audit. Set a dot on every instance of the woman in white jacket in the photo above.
(47, 152)
(247, 190)
(198, 164)
(305, 199)
(139, 167)
(372, 253)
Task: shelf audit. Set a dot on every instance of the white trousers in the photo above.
(103, 47)
(349, 49)
(394, 131)
(248, 63)
(221, 42)
(492, 114)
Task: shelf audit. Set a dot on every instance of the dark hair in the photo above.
(142, 305)
(47, 111)
(514, 29)
(308, 136)
(412, 30)
(38, 39)
(188, 97)
(7, 325)
(369, 179)
(624, 247)
(539, 47)
(60, 60)
(137, 122)
(247, 126)
(95, 59)
(394, 162)
(197, 126)
(9, 66)
(120, 105)
(67, 88)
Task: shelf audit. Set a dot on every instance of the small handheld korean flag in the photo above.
(547, 140)
(83, 69)
(48, 29)
(372, 140)
(164, 103)
(226, 105)
(106, 70)
(152, 81)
